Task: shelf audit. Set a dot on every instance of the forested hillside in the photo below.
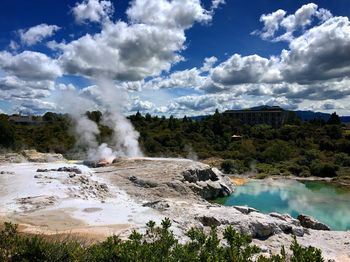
(299, 148)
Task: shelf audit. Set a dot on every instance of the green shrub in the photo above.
(227, 166)
(323, 169)
(267, 169)
(305, 173)
(261, 176)
(157, 244)
(342, 159)
(295, 169)
(305, 254)
(277, 151)
(233, 166)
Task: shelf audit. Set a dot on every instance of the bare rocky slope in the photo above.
(64, 197)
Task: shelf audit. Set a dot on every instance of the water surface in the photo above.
(326, 202)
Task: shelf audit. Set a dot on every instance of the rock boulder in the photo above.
(209, 183)
(312, 223)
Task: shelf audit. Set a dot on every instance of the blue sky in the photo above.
(288, 53)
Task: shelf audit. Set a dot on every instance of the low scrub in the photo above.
(157, 244)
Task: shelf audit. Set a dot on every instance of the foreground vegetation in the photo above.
(298, 148)
(157, 244)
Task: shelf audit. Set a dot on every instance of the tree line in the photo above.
(299, 148)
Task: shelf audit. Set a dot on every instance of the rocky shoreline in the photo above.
(177, 197)
(120, 197)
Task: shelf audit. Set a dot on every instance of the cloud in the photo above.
(321, 53)
(194, 104)
(208, 64)
(146, 46)
(271, 24)
(37, 33)
(168, 14)
(301, 19)
(327, 105)
(26, 94)
(35, 106)
(141, 105)
(316, 66)
(189, 78)
(64, 87)
(13, 82)
(281, 102)
(93, 11)
(216, 3)
(138, 54)
(13, 45)
(246, 69)
(30, 65)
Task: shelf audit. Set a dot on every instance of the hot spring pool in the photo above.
(325, 202)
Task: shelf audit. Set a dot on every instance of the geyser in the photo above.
(111, 100)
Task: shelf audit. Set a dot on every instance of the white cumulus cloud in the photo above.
(30, 65)
(147, 45)
(301, 19)
(37, 33)
(93, 11)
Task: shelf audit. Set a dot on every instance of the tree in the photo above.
(50, 117)
(138, 116)
(148, 117)
(95, 116)
(7, 135)
(334, 119)
(277, 151)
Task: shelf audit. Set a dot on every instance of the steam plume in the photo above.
(111, 101)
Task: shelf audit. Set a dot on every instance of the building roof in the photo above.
(263, 108)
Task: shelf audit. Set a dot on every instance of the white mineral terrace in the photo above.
(59, 201)
(70, 198)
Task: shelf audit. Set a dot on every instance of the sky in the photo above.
(174, 57)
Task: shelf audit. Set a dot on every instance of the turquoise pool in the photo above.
(326, 202)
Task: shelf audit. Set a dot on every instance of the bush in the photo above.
(261, 176)
(305, 173)
(305, 254)
(227, 166)
(267, 169)
(277, 151)
(233, 166)
(342, 159)
(7, 134)
(157, 244)
(323, 169)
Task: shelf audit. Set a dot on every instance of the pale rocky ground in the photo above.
(123, 196)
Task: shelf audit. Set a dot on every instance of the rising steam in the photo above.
(111, 101)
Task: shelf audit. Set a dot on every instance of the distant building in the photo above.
(269, 115)
(26, 120)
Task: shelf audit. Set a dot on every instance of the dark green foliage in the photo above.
(323, 169)
(342, 159)
(7, 134)
(334, 119)
(277, 151)
(228, 166)
(95, 116)
(157, 244)
(291, 149)
(305, 254)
